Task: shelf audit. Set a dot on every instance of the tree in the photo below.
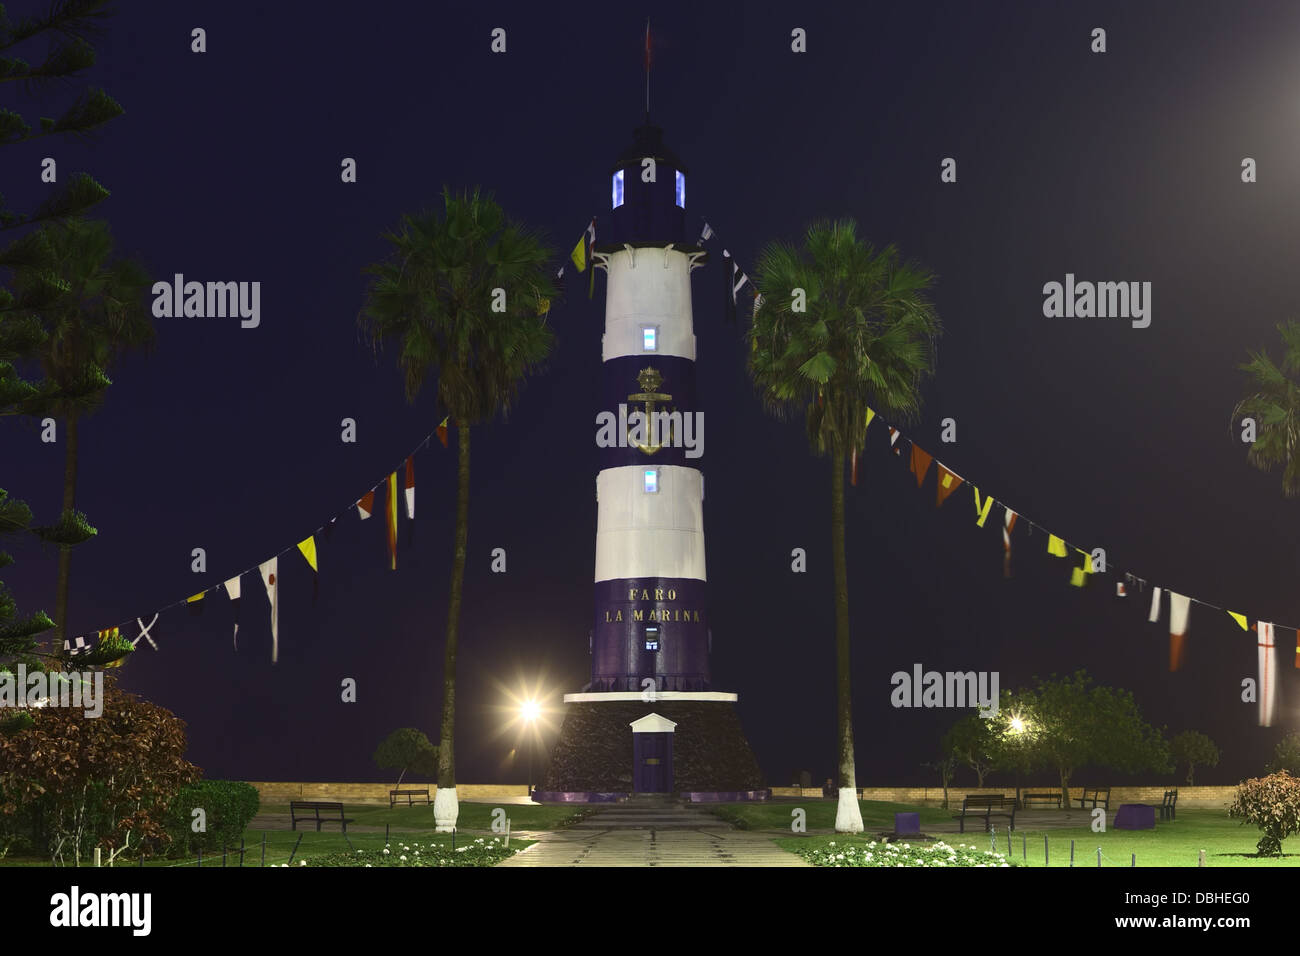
(67, 25)
(1274, 404)
(945, 766)
(1272, 803)
(1074, 723)
(69, 782)
(100, 313)
(407, 749)
(1286, 756)
(844, 329)
(973, 741)
(1192, 748)
(434, 297)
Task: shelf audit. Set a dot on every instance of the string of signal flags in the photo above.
(385, 494)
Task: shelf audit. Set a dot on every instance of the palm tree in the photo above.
(99, 310)
(436, 297)
(842, 327)
(1275, 406)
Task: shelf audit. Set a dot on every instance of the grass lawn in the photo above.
(776, 815)
(1172, 843)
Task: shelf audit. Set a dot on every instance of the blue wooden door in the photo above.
(652, 755)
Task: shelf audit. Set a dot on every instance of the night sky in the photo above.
(1122, 166)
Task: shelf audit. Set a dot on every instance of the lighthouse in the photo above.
(650, 720)
(651, 615)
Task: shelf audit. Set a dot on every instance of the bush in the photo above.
(228, 806)
(901, 854)
(69, 783)
(1272, 803)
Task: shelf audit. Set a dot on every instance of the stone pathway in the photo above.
(652, 833)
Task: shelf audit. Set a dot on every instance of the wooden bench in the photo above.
(1099, 795)
(298, 811)
(1044, 797)
(986, 806)
(1168, 805)
(409, 794)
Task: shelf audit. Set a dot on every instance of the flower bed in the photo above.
(478, 853)
(900, 854)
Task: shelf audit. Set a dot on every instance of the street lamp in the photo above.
(528, 712)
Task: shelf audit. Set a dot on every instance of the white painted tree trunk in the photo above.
(446, 809)
(848, 815)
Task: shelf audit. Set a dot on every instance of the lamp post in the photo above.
(528, 711)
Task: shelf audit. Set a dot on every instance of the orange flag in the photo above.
(948, 483)
(920, 463)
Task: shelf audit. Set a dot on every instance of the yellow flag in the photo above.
(1077, 577)
(579, 254)
(196, 597)
(1087, 561)
(308, 549)
(982, 511)
(870, 415)
(1241, 619)
(1055, 546)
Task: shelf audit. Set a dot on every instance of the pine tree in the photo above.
(68, 26)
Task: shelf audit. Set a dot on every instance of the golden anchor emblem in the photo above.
(649, 379)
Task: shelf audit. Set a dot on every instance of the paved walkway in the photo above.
(618, 847)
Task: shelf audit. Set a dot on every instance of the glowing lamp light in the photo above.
(529, 710)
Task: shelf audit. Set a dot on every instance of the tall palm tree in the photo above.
(434, 297)
(1275, 406)
(842, 327)
(99, 312)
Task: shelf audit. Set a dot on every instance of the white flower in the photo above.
(402, 857)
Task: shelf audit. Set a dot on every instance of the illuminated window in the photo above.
(681, 189)
(651, 481)
(618, 189)
(652, 638)
(649, 337)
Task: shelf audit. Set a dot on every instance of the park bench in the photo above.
(986, 806)
(1044, 797)
(409, 794)
(1168, 805)
(298, 810)
(1098, 795)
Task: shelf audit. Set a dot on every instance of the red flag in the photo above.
(647, 45)
(366, 506)
(853, 472)
(920, 463)
(948, 483)
(442, 431)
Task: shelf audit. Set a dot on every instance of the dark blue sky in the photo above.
(1122, 166)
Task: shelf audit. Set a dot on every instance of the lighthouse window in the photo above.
(651, 481)
(618, 189)
(649, 336)
(652, 638)
(681, 190)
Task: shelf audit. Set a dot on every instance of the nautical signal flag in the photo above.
(1119, 589)
(982, 511)
(410, 487)
(1079, 575)
(1008, 522)
(920, 463)
(1179, 606)
(1055, 546)
(366, 504)
(579, 254)
(308, 549)
(894, 434)
(949, 481)
(232, 589)
(1267, 674)
(1240, 619)
(392, 520)
(271, 581)
(442, 431)
(1155, 606)
(195, 601)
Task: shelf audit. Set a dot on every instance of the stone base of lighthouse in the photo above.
(613, 745)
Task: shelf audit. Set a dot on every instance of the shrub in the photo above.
(938, 854)
(71, 783)
(228, 807)
(1272, 803)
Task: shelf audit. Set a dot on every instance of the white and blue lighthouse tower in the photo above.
(650, 720)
